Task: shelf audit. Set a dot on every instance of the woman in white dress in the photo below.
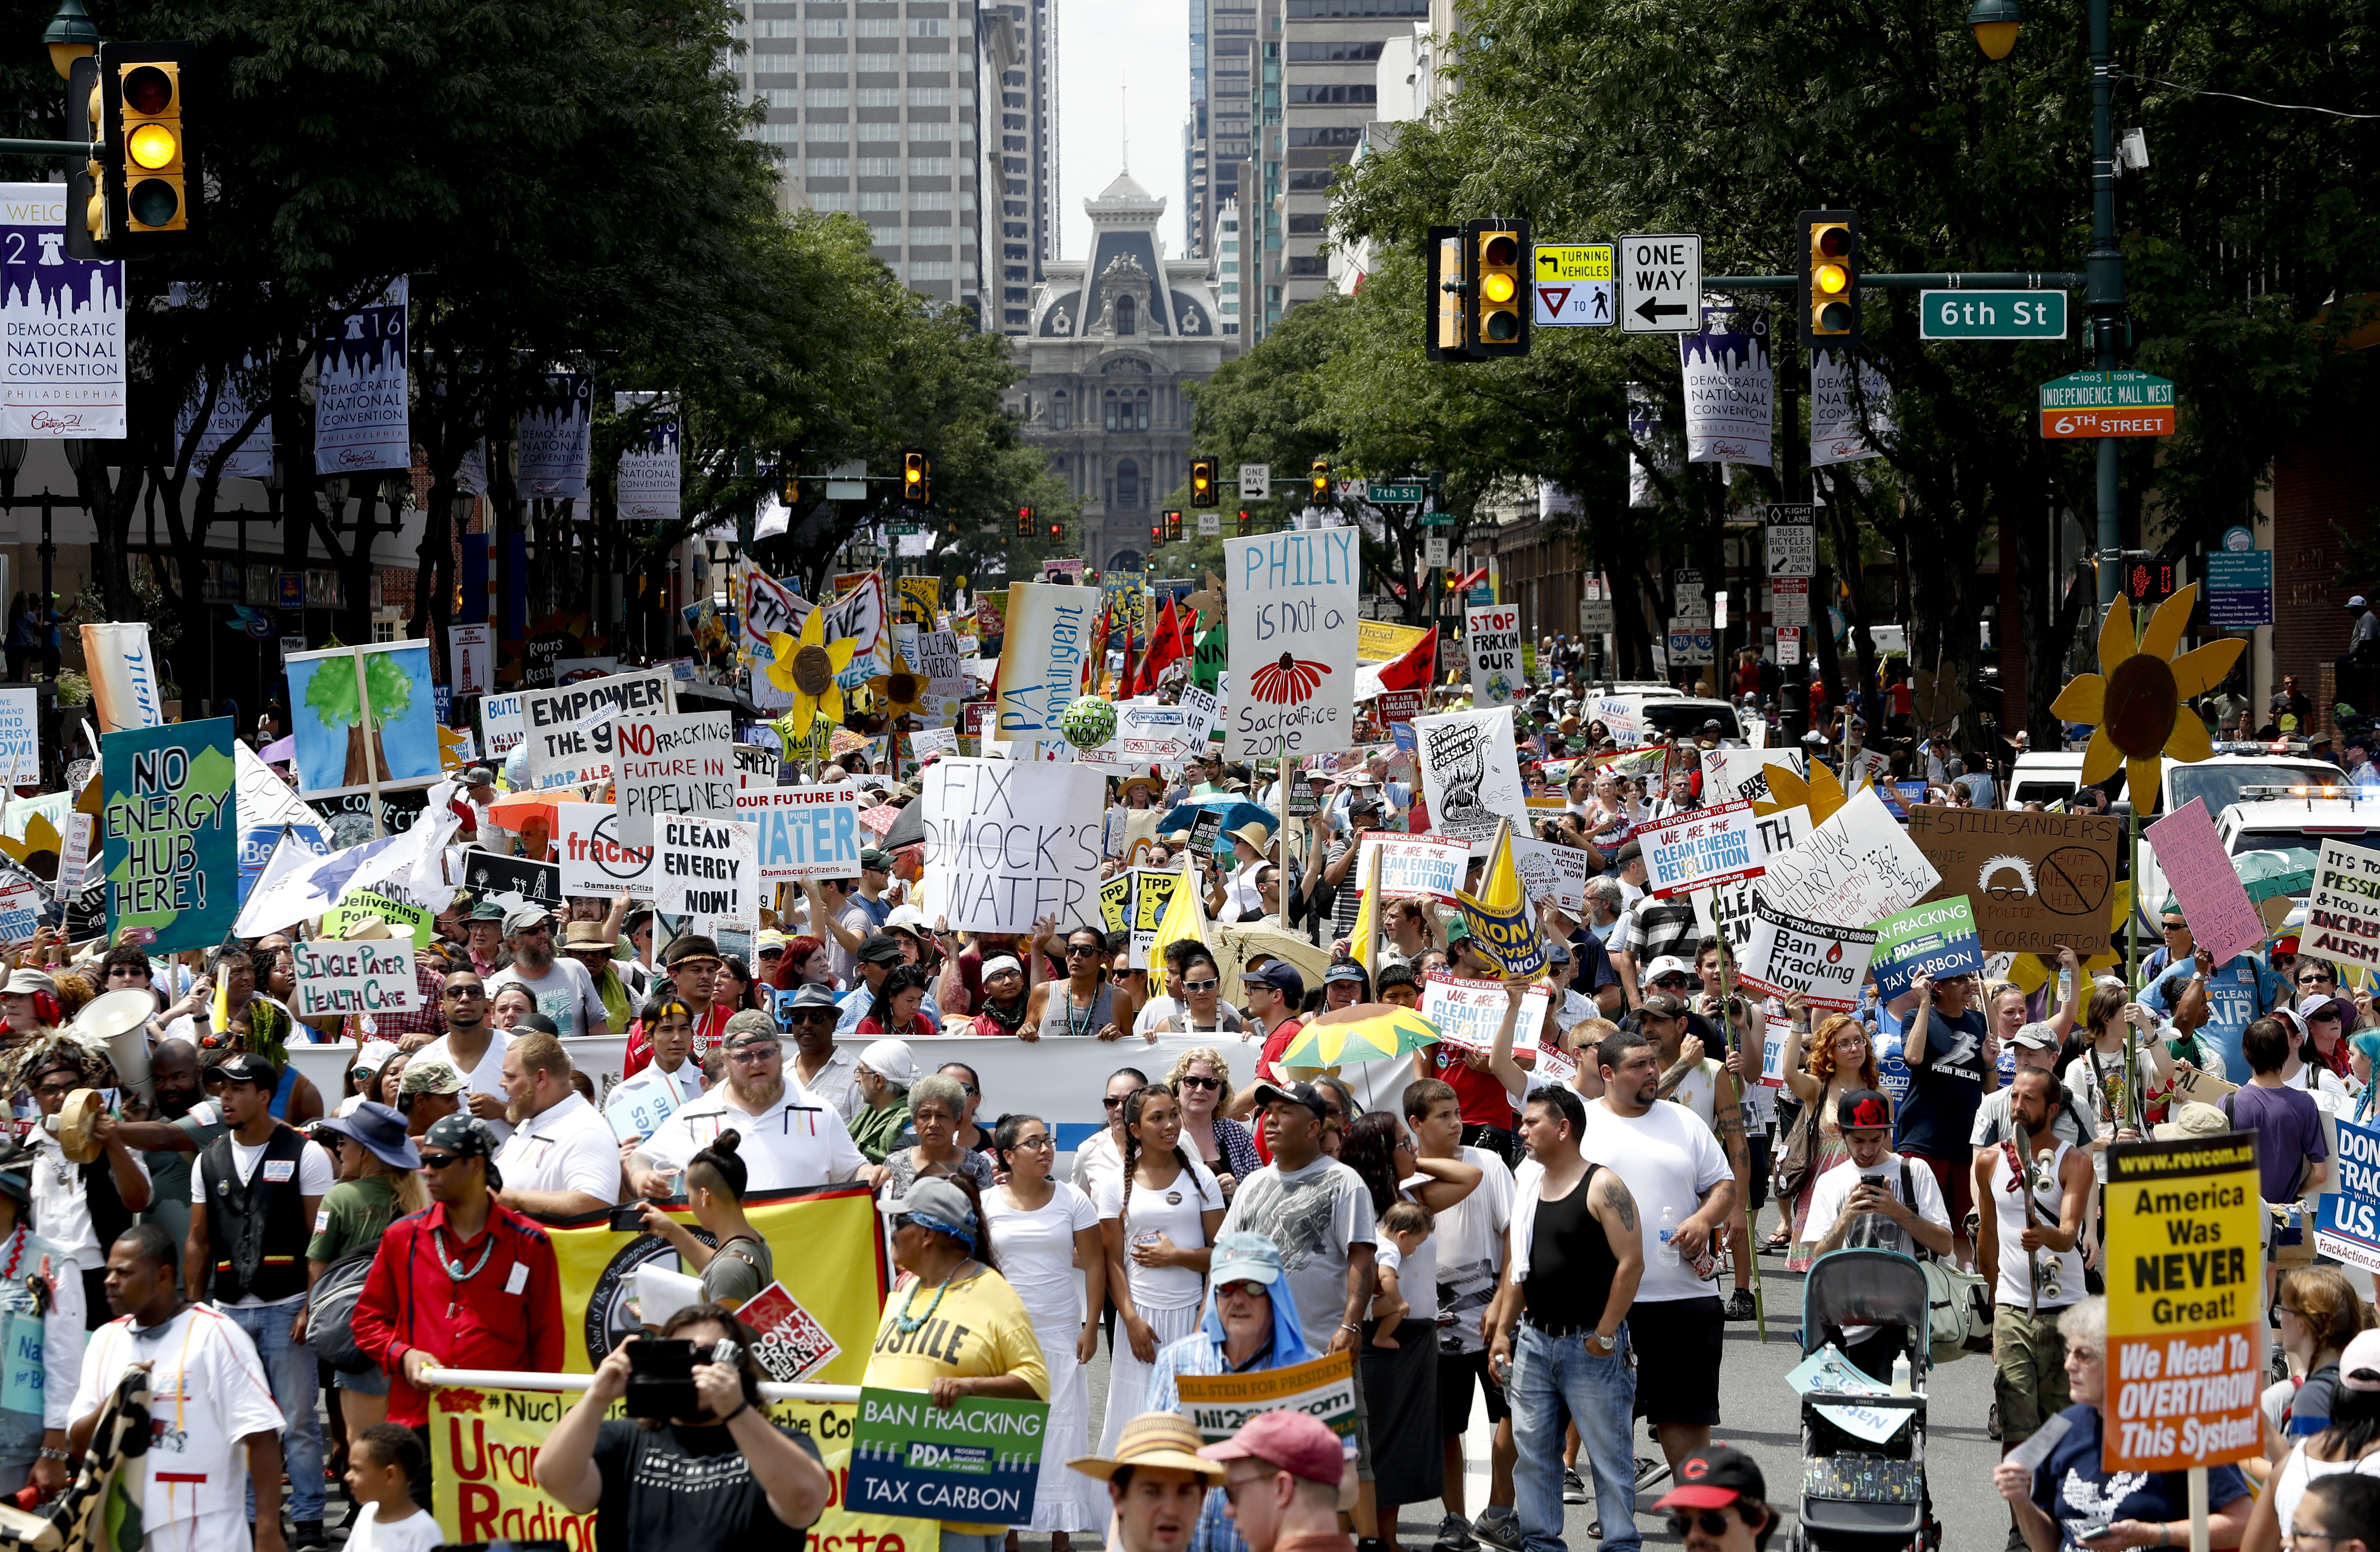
(1041, 1229)
(1158, 1218)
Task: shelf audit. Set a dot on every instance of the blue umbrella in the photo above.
(1237, 811)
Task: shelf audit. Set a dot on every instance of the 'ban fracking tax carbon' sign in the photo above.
(2107, 403)
(2185, 1322)
(975, 1461)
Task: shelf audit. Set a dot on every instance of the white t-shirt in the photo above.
(1667, 1158)
(1874, 1230)
(1173, 1211)
(636, 1106)
(488, 1077)
(1037, 1252)
(60, 1205)
(1469, 1242)
(797, 1141)
(1699, 1091)
(1096, 1163)
(565, 994)
(207, 1393)
(567, 1147)
(316, 1171)
(416, 1533)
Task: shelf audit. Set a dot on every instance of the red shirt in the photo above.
(1268, 1059)
(507, 1315)
(1484, 1100)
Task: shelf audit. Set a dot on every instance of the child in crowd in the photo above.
(384, 1463)
(1403, 1227)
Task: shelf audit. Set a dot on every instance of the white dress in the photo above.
(1169, 1298)
(1036, 1255)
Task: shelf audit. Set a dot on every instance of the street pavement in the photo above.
(1760, 1416)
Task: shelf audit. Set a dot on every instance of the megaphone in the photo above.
(119, 1021)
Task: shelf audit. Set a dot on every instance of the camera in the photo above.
(660, 1380)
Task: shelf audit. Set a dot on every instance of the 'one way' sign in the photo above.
(1660, 284)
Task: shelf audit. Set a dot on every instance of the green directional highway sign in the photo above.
(1388, 495)
(1992, 315)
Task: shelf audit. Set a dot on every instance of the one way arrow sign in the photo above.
(1661, 283)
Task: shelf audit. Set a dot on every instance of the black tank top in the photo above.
(1571, 1263)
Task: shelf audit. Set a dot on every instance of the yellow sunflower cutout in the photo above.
(805, 668)
(2135, 700)
(1821, 793)
(901, 692)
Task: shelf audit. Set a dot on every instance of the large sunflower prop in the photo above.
(2136, 698)
(806, 667)
(901, 692)
(1821, 793)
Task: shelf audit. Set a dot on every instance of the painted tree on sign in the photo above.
(331, 695)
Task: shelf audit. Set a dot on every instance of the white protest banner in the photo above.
(1553, 872)
(73, 858)
(1201, 706)
(2342, 918)
(1772, 1052)
(646, 486)
(1471, 771)
(1492, 634)
(806, 832)
(20, 735)
(1731, 774)
(757, 764)
(1289, 615)
(683, 764)
(569, 742)
(362, 416)
(1150, 734)
(1857, 867)
(1725, 910)
(470, 657)
(500, 723)
(22, 904)
(927, 742)
(64, 323)
(769, 607)
(1819, 960)
(939, 656)
(1430, 865)
(593, 861)
(1468, 1011)
(1040, 670)
(708, 868)
(371, 976)
(1700, 848)
(1005, 846)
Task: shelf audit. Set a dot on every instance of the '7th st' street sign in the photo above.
(2108, 403)
(1988, 315)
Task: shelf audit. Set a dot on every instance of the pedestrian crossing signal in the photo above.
(1830, 278)
(1202, 482)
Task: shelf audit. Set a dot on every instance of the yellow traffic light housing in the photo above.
(1174, 527)
(915, 468)
(1202, 482)
(1830, 278)
(1025, 522)
(1319, 482)
(138, 194)
(1496, 287)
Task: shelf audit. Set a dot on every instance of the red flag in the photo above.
(1410, 669)
(1164, 648)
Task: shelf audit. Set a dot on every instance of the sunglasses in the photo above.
(1674, 983)
(1209, 984)
(466, 992)
(814, 1015)
(1241, 1291)
(1709, 1521)
(1190, 1081)
(440, 1161)
(2315, 980)
(1074, 948)
(2173, 927)
(1112, 1101)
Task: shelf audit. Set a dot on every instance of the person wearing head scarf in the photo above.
(40, 1300)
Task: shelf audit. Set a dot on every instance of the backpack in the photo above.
(1958, 1304)
(333, 1305)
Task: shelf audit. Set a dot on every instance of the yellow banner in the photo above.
(2185, 1296)
(828, 1256)
(483, 1445)
(1378, 641)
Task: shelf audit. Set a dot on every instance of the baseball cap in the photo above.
(26, 982)
(1241, 1256)
(521, 918)
(877, 860)
(1303, 1094)
(2359, 1367)
(1668, 965)
(249, 1068)
(770, 940)
(430, 1077)
(879, 948)
(373, 1056)
(1456, 930)
(1714, 1477)
(1558, 953)
(2355, 602)
(1297, 1442)
(1345, 970)
(1282, 976)
(942, 1205)
(479, 776)
(1664, 1005)
(749, 1024)
(2037, 1035)
(1863, 1107)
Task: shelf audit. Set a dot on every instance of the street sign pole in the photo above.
(2102, 268)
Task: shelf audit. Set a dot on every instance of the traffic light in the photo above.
(1174, 527)
(1830, 278)
(1057, 532)
(1445, 326)
(1156, 533)
(139, 195)
(2147, 578)
(1319, 482)
(1496, 287)
(1025, 522)
(915, 468)
(1243, 524)
(1202, 482)
(789, 487)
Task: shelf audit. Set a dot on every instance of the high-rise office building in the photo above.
(882, 109)
(1330, 52)
(1020, 170)
(1228, 100)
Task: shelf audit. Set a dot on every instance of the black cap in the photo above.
(1863, 1108)
(1714, 1477)
(1664, 1005)
(1303, 1094)
(880, 948)
(249, 1068)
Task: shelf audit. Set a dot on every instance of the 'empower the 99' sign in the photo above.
(2185, 1317)
(1289, 603)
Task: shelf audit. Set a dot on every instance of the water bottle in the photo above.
(1667, 1254)
(1901, 1375)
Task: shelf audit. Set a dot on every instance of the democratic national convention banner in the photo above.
(1471, 772)
(1936, 939)
(172, 860)
(551, 456)
(64, 321)
(2348, 1227)
(1220, 1405)
(1006, 846)
(2205, 881)
(646, 484)
(1838, 433)
(2185, 1304)
(1289, 610)
(2342, 921)
(805, 833)
(361, 415)
(251, 458)
(976, 1459)
(340, 748)
(1700, 848)
(1040, 670)
(1729, 388)
(1492, 634)
(2037, 881)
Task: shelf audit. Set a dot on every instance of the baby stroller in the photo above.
(1859, 1495)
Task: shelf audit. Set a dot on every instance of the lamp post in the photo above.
(1995, 23)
